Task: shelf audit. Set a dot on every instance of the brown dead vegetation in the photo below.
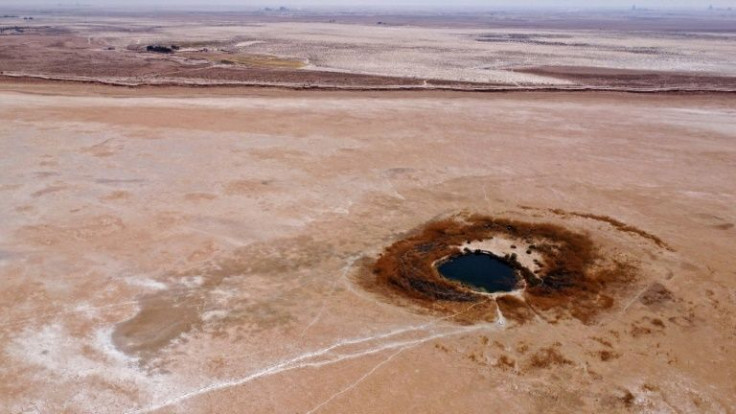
(548, 357)
(515, 309)
(575, 281)
(619, 225)
(607, 355)
(505, 363)
(656, 295)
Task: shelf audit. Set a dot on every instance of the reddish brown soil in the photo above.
(575, 280)
(217, 233)
(607, 77)
(54, 54)
(57, 53)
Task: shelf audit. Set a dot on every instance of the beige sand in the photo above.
(196, 251)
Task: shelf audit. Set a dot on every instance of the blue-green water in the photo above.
(480, 271)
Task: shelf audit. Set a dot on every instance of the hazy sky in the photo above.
(420, 4)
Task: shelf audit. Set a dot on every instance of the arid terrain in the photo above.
(183, 235)
(347, 51)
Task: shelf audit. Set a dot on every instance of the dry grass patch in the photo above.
(575, 279)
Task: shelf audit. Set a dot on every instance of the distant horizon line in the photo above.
(344, 9)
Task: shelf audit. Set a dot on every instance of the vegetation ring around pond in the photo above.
(543, 270)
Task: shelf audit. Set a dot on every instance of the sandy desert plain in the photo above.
(240, 224)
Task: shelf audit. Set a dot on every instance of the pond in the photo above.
(480, 271)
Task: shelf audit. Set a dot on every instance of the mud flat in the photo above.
(641, 51)
(204, 250)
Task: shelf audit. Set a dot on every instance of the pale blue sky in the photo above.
(344, 4)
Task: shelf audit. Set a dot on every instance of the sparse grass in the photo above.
(572, 283)
(619, 225)
(548, 357)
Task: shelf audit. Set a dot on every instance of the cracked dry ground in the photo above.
(184, 251)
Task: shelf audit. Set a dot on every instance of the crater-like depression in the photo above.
(479, 271)
(470, 267)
